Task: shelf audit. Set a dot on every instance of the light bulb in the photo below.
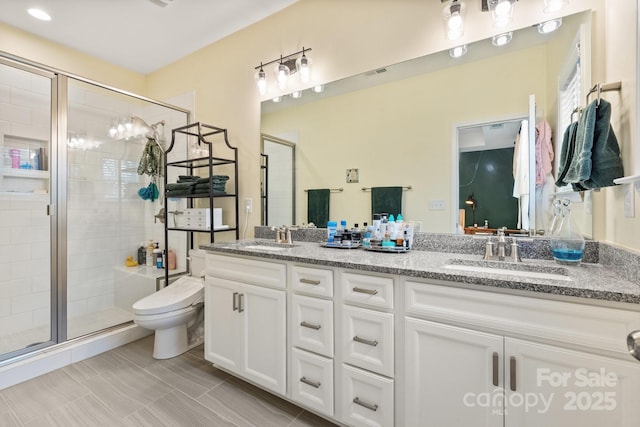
(318, 88)
(551, 6)
(304, 68)
(261, 81)
(502, 39)
(282, 76)
(458, 51)
(549, 26)
(39, 14)
(297, 94)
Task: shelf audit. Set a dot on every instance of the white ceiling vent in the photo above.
(161, 3)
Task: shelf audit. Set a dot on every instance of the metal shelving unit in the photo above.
(204, 135)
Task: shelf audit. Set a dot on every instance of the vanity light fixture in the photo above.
(318, 89)
(551, 6)
(284, 67)
(39, 14)
(458, 51)
(549, 26)
(453, 19)
(501, 12)
(502, 39)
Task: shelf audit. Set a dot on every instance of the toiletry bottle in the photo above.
(149, 256)
(393, 234)
(343, 226)
(157, 255)
(171, 259)
(332, 230)
(384, 222)
(142, 254)
(375, 232)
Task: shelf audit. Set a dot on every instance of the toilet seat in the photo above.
(179, 295)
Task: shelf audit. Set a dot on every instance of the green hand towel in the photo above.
(318, 206)
(567, 152)
(386, 199)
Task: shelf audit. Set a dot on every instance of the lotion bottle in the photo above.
(149, 256)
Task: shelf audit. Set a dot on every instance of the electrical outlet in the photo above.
(248, 205)
(436, 205)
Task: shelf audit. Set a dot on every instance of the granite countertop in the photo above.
(586, 280)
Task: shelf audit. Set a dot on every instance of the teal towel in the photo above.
(318, 206)
(596, 162)
(186, 186)
(386, 199)
(567, 152)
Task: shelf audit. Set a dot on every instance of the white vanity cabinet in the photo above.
(245, 322)
(460, 375)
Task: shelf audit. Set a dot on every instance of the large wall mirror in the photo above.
(399, 125)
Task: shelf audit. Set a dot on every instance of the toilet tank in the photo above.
(196, 262)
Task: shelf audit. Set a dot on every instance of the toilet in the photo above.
(173, 311)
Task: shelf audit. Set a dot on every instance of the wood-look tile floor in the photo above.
(128, 387)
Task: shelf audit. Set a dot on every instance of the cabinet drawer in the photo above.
(367, 399)
(368, 339)
(312, 324)
(312, 280)
(247, 270)
(312, 381)
(371, 290)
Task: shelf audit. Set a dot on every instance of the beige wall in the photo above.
(349, 38)
(401, 133)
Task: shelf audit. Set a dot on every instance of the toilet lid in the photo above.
(180, 294)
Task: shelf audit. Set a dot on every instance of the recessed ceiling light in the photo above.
(39, 14)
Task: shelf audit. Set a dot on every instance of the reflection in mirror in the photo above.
(397, 125)
(278, 181)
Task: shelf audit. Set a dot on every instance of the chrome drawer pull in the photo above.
(512, 373)
(310, 325)
(633, 344)
(315, 384)
(372, 343)
(309, 281)
(235, 301)
(367, 405)
(365, 291)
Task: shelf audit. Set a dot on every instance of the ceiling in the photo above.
(140, 35)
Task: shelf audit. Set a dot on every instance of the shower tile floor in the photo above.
(128, 387)
(77, 326)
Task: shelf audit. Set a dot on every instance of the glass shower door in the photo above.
(26, 286)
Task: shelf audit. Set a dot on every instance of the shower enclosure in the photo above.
(70, 213)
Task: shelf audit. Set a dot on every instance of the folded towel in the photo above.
(178, 193)
(386, 199)
(214, 178)
(188, 178)
(318, 206)
(205, 187)
(180, 186)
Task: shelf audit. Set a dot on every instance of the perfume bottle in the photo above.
(567, 243)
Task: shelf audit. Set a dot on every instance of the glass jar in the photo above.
(567, 243)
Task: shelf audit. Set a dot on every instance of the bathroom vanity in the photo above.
(425, 338)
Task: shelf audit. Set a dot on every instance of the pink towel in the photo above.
(544, 151)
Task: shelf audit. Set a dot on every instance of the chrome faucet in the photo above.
(283, 234)
(501, 252)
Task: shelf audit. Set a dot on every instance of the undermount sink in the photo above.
(267, 246)
(509, 269)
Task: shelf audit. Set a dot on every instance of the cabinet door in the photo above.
(550, 386)
(222, 323)
(263, 313)
(452, 376)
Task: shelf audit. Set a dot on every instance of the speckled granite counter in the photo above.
(587, 280)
